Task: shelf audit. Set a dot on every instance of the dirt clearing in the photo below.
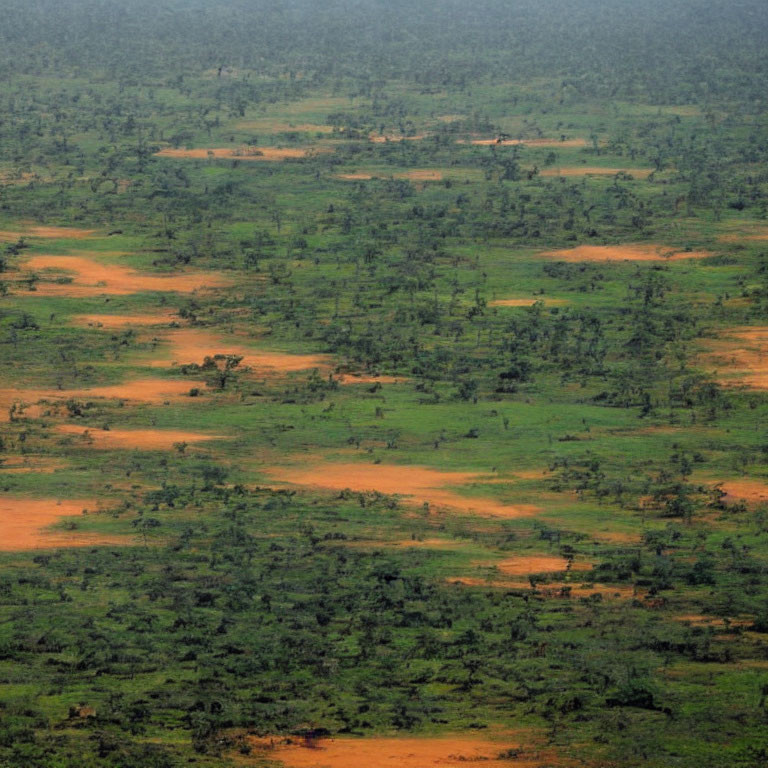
(400, 752)
(23, 523)
(528, 564)
(132, 439)
(583, 170)
(623, 253)
(90, 277)
(528, 142)
(527, 302)
(749, 491)
(241, 153)
(354, 176)
(50, 233)
(189, 345)
(552, 590)
(740, 357)
(119, 322)
(150, 390)
(420, 484)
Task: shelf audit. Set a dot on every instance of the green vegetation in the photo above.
(433, 402)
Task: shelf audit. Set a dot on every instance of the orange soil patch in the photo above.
(583, 170)
(700, 620)
(623, 253)
(23, 523)
(240, 153)
(354, 176)
(64, 233)
(29, 464)
(409, 544)
(552, 589)
(525, 565)
(421, 175)
(189, 345)
(93, 278)
(156, 391)
(268, 125)
(617, 537)
(745, 232)
(420, 484)
(526, 302)
(400, 752)
(741, 354)
(118, 322)
(132, 439)
(529, 142)
(752, 491)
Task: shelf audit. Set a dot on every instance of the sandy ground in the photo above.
(740, 357)
(147, 390)
(750, 491)
(190, 345)
(94, 278)
(529, 142)
(528, 564)
(552, 589)
(23, 522)
(403, 752)
(623, 253)
(63, 233)
(119, 322)
(132, 439)
(584, 170)
(239, 153)
(527, 302)
(420, 484)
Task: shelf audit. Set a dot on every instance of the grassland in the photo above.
(410, 425)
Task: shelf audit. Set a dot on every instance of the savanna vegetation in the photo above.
(383, 383)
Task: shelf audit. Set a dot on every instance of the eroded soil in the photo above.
(419, 485)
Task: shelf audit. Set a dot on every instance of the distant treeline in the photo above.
(657, 50)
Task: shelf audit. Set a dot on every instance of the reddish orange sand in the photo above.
(711, 621)
(529, 142)
(751, 491)
(624, 253)
(64, 233)
(118, 322)
(354, 176)
(239, 153)
(156, 391)
(28, 464)
(420, 175)
(401, 752)
(93, 278)
(269, 125)
(746, 231)
(420, 484)
(584, 170)
(528, 564)
(416, 175)
(132, 439)
(617, 537)
(741, 355)
(22, 524)
(551, 589)
(526, 302)
(190, 345)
